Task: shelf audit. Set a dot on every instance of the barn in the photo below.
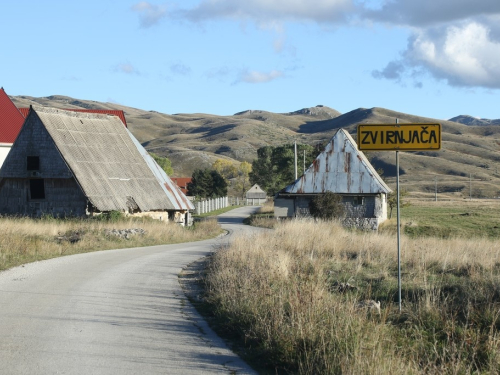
(66, 163)
(255, 195)
(342, 169)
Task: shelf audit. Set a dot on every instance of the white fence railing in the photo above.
(209, 205)
(213, 204)
(236, 201)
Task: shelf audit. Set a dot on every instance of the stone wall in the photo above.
(34, 140)
(63, 197)
(363, 212)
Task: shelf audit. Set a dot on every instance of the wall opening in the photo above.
(33, 163)
(37, 188)
(358, 201)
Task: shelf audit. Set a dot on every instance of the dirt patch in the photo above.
(191, 280)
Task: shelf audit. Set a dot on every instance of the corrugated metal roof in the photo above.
(24, 111)
(11, 120)
(340, 168)
(176, 196)
(105, 160)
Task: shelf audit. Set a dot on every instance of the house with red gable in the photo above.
(11, 122)
(182, 183)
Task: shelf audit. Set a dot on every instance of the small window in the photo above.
(37, 188)
(33, 163)
(358, 201)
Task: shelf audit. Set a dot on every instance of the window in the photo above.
(358, 201)
(33, 163)
(37, 188)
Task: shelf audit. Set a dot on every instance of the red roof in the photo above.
(182, 182)
(118, 113)
(11, 120)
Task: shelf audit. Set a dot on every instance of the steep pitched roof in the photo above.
(11, 120)
(25, 110)
(255, 192)
(106, 161)
(170, 188)
(340, 168)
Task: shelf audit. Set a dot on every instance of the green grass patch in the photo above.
(462, 218)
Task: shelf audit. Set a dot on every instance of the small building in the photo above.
(11, 121)
(67, 163)
(342, 169)
(255, 196)
(182, 183)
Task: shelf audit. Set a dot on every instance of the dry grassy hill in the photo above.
(469, 159)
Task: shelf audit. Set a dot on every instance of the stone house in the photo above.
(342, 169)
(66, 163)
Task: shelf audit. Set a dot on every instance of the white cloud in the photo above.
(149, 14)
(263, 11)
(180, 69)
(254, 76)
(428, 12)
(126, 68)
(455, 40)
(464, 55)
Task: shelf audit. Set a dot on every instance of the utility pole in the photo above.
(295, 156)
(435, 189)
(304, 171)
(399, 226)
(470, 186)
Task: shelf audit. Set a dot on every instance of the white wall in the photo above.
(4, 150)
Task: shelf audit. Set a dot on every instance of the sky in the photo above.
(432, 58)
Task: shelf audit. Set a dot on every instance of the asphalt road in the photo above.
(112, 312)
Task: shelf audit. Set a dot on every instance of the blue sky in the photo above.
(434, 58)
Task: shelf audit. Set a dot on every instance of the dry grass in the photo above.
(264, 217)
(24, 240)
(282, 294)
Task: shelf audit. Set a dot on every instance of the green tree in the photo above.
(327, 206)
(207, 183)
(226, 169)
(163, 162)
(242, 182)
(274, 167)
(392, 200)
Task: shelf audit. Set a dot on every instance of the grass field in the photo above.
(292, 300)
(451, 218)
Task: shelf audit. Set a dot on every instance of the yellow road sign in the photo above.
(399, 137)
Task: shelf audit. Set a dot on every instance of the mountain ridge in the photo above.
(196, 140)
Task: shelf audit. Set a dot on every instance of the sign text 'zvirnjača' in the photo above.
(399, 137)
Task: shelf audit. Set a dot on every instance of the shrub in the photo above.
(327, 206)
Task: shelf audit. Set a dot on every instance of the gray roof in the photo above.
(256, 192)
(341, 168)
(106, 161)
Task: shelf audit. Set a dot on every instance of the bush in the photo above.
(111, 216)
(327, 206)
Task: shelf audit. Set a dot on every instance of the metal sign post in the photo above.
(399, 230)
(399, 137)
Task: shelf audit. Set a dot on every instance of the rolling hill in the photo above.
(468, 162)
